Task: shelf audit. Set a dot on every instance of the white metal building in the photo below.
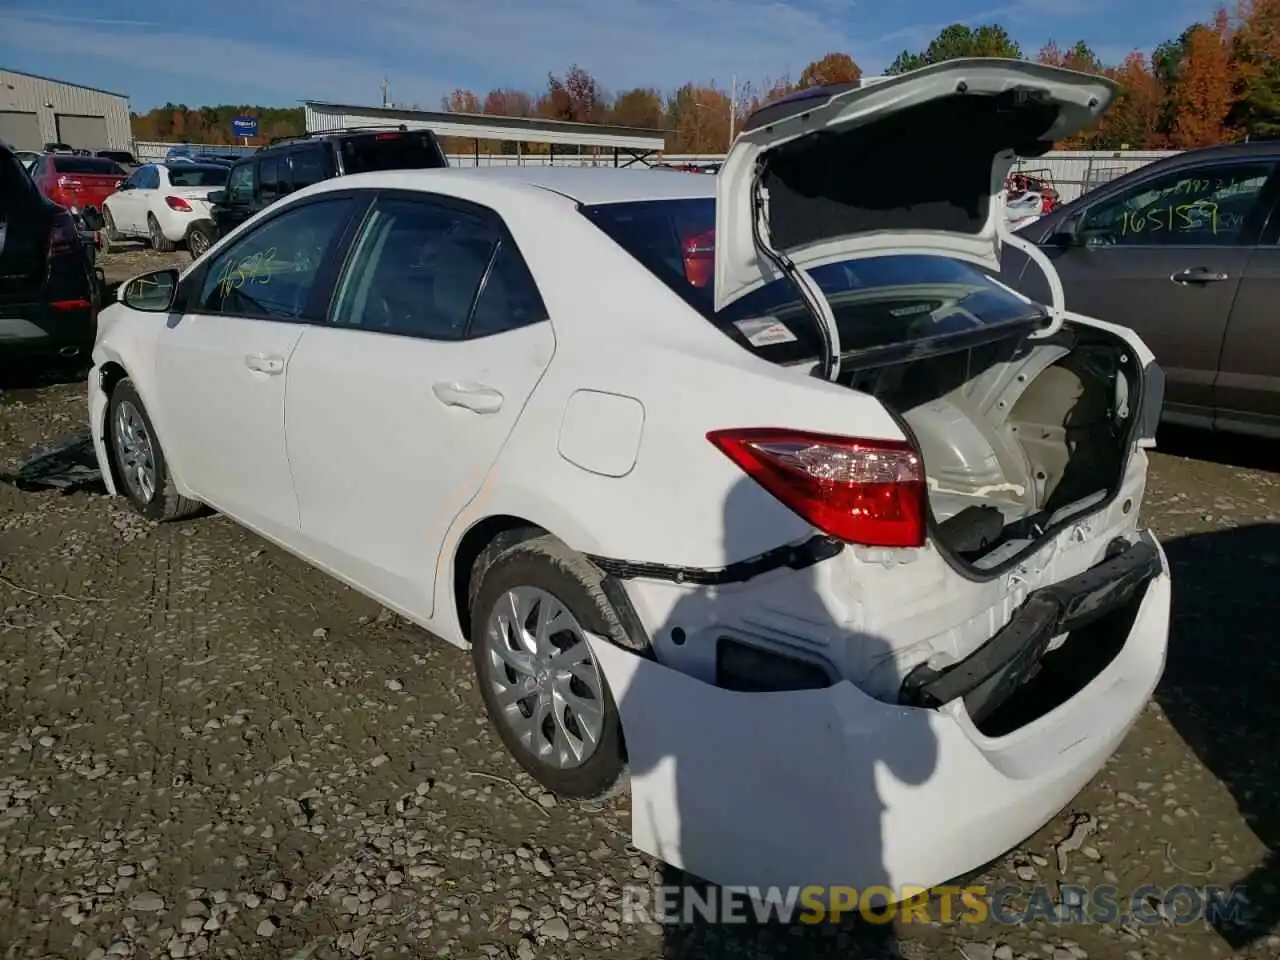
(36, 110)
(636, 143)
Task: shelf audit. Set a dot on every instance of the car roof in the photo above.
(585, 185)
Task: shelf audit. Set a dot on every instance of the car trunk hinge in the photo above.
(810, 293)
(1057, 296)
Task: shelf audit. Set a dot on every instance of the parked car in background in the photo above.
(122, 157)
(166, 204)
(259, 180)
(58, 148)
(1186, 251)
(49, 292)
(851, 528)
(78, 183)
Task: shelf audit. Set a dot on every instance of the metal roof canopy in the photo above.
(321, 115)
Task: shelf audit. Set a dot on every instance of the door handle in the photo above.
(472, 396)
(1199, 275)
(262, 363)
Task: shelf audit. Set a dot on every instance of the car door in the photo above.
(397, 408)
(120, 203)
(143, 199)
(1247, 391)
(1164, 255)
(222, 364)
(240, 191)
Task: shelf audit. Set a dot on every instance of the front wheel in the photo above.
(531, 609)
(138, 463)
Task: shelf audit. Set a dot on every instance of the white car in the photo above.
(166, 204)
(754, 487)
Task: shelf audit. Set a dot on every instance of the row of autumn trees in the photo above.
(1218, 81)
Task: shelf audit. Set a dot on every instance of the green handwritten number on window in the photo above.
(1198, 216)
(255, 268)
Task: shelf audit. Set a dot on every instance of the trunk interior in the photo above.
(1016, 435)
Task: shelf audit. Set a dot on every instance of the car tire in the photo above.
(544, 574)
(109, 231)
(138, 465)
(159, 242)
(199, 239)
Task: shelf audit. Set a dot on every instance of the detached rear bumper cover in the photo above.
(987, 677)
(832, 787)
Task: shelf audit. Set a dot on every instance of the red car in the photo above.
(77, 183)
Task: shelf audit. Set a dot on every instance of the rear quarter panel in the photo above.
(621, 332)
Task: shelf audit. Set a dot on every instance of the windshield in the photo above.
(88, 166)
(391, 151)
(877, 301)
(193, 175)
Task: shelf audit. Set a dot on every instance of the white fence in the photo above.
(1072, 172)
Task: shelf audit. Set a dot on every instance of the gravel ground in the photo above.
(209, 749)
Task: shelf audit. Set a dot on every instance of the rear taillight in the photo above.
(699, 252)
(63, 236)
(177, 203)
(869, 492)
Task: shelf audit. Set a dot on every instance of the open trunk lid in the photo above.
(835, 173)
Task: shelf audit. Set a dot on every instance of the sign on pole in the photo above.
(245, 126)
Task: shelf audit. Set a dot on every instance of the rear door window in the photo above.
(391, 150)
(192, 175)
(308, 166)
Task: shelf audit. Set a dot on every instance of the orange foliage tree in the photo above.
(1203, 95)
(833, 68)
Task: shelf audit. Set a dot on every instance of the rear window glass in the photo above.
(390, 151)
(877, 301)
(16, 189)
(191, 175)
(88, 165)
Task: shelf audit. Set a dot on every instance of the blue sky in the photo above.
(276, 52)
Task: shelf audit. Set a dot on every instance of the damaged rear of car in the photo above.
(973, 618)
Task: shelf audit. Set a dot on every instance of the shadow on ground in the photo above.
(1221, 689)
(1231, 451)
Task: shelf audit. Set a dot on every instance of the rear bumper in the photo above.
(41, 329)
(832, 787)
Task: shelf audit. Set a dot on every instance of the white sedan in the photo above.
(754, 487)
(166, 204)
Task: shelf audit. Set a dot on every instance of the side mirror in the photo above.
(1067, 234)
(151, 292)
(217, 196)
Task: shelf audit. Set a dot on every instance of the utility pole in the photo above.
(386, 85)
(733, 107)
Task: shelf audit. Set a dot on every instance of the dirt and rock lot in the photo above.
(209, 749)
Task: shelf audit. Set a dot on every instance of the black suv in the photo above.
(291, 163)
(49, 289)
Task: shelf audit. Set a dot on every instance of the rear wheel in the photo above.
(140, 470)
(532, 606)
(159, 242)
(199, 239)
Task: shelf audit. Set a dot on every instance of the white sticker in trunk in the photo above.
(764, 331)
